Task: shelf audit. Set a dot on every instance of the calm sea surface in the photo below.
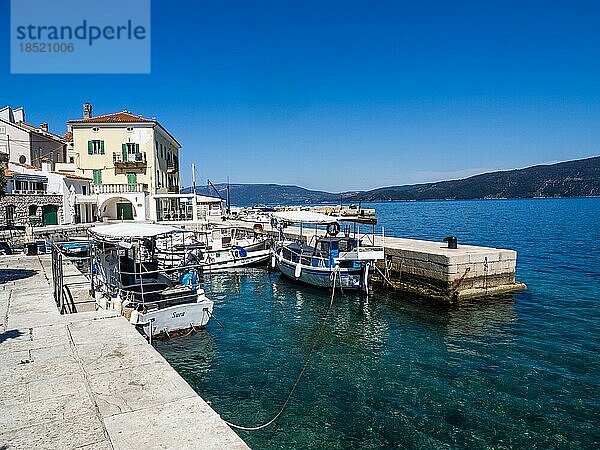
(519, 371)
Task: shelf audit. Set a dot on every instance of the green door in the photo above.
(50, 214)
(124, 211)
(132, 181)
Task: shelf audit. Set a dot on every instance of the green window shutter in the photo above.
(132, 178)
(97, 176)
(102, 147)
(124, 152)
(90, 148)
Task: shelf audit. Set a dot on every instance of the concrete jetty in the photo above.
(88, 380)
(430, 269)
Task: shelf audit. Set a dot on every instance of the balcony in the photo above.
(173, 189)
(129, 160)
(119, 188)
(172, 167)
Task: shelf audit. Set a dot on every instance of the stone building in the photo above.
(37, 197)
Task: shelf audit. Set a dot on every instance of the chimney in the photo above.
(87, 110)
(44, 126)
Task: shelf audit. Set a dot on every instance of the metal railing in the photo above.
(133, 158)
(29, 191)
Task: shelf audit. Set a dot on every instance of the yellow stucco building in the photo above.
(130, 159)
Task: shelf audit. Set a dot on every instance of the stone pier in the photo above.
(430, 269)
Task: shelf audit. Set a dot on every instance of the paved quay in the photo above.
(88, 380)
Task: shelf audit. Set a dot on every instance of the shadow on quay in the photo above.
(7, 275)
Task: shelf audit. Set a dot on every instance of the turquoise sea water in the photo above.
(516, 371)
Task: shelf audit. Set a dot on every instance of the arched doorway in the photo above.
(50, 214)
(118, 208)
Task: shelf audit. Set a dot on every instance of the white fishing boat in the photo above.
(220, 248)
(329, 259)
(126, 277)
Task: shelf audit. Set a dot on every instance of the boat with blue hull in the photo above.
(332, 261)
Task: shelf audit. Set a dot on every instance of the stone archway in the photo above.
(118, 208)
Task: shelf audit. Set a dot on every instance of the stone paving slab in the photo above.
(131, 429)
(88, 380)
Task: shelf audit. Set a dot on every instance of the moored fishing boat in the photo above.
(126, 277)
(330, 260)
(218, 249)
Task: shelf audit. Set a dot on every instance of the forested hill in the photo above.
(579, 178)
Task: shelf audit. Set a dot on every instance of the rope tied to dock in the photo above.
(307, 361)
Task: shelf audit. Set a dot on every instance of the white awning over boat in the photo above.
(132, 230)
(304, 217)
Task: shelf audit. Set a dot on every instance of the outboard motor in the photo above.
(452, 242)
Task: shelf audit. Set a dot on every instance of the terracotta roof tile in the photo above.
(123, 116)
(72, 175)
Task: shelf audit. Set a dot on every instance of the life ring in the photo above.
(333, 229)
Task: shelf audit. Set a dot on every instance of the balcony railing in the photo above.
(129, 159)
(173, 189)
(119, 188)
(172, 167)
(29, 191)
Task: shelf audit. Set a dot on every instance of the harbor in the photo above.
(81, 320)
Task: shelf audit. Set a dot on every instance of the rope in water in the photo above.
(304, 367)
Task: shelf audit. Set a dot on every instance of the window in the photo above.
(96, 147)
(33, 210)
(84, 190)
(130, 129)
(97, 176)
(95, 129)
(2, 130)
(71, 159)
(132, 148)
(10, 214)
(3, 149)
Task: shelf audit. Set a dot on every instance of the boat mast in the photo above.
(194, 201)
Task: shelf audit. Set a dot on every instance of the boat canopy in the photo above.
(131, 230)
(304, 217)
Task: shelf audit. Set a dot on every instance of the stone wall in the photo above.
(22, 202)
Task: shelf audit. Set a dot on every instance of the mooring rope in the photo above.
(304, 367)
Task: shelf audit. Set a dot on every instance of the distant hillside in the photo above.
(267, 194)
(579, 178)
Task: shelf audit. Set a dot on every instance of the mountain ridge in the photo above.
(575, 178)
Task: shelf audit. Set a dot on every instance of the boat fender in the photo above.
(273, 262)
(333, 229)
(298, 271)
(135, 317)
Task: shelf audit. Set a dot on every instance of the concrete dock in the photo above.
(88, 380)
(430, 269)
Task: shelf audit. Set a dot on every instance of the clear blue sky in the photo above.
(342, 95)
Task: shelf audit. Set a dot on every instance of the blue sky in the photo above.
(343, 95)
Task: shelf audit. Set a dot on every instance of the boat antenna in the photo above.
(194, 178)
(228, 203)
